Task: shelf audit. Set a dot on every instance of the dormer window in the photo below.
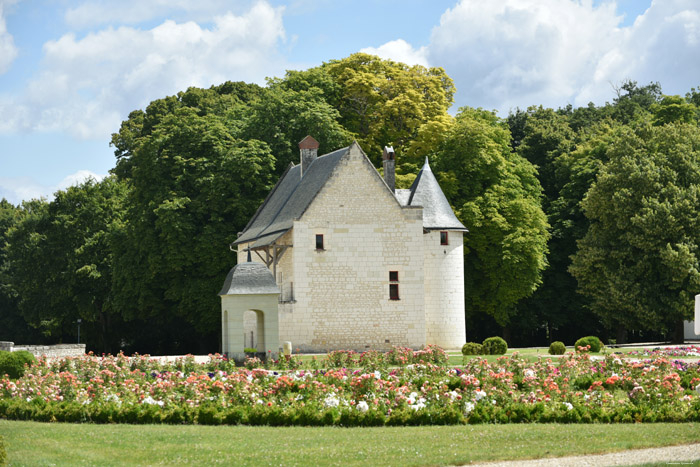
(319, 242)
(444, 240)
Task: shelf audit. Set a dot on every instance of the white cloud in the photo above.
(508, 53)
(18, 189)
(89, 85)
(399, 51)
(8, 50)
(77, 178)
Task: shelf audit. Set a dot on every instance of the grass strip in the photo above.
(33, 443)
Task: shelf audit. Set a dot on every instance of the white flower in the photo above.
(412, 398)
(259, 401)
(377, 375)
(113, 398)
(453, 395)
(468, 407)
(362, 406)
(479, 395)
(151, 401)
(568, 406)
(419, 405)
(331, 401)
(529, 373)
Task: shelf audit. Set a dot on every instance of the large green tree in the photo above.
(193, 185)
(13, 326)
(385, 102)
(638, 262)
(497, 196)
(60, 262)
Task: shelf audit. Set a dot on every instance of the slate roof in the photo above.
(249, 278)
(289, 199)
(293, 194)
(426, 192)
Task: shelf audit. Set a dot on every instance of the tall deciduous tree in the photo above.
(497, 196)
(385, 102)
(194, 185)
(60, 262)
(13, 326)
(638, 262)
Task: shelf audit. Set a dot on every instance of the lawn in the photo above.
(34, 443)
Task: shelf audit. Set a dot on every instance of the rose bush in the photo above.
(388, 389)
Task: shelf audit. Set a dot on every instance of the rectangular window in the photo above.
(443, 238)
(393, 291)
(393, 285)
(319, 242)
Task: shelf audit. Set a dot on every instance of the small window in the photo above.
(393, 291)
(443, 238)
(319, 242)
(393, 286)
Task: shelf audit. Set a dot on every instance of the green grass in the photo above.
(33, 443)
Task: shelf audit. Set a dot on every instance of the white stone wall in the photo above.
(233, 309)
(444, 290)
(52, 351)
(342, 292)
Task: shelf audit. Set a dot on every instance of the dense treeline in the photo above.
(582, 221)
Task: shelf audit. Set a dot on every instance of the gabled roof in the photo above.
(289, 199)
(426, 192)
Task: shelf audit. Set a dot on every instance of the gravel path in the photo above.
(688, 454)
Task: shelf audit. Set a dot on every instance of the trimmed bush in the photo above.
(593, 341)
(472, 348)
(557, 348)
(12, 363)
(494, 346)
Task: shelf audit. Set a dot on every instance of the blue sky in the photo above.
(71, 71)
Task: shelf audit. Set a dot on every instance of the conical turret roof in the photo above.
(437, 212)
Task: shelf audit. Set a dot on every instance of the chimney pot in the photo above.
(389, 160)
(309, 151)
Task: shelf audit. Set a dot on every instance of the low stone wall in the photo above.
(51, 351)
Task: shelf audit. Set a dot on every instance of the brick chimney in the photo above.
(389, 159)
(309, 151)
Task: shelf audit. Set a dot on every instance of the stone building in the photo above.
(357, 264)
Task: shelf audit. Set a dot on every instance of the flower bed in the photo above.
(388, 390)
(680, 351)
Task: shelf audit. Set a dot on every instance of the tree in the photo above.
(283, 117)
(13, 327)
(385, 102)
(70, 238)
(497, 196)
(673, 109)
(193, 185)
(638, 262)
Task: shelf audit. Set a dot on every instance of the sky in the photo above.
(72, 71)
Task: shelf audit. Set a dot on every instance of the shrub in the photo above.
(250, 350)
(557, 348)
(592, 341)
(472, 348)
(494, 346)
(12, 363)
